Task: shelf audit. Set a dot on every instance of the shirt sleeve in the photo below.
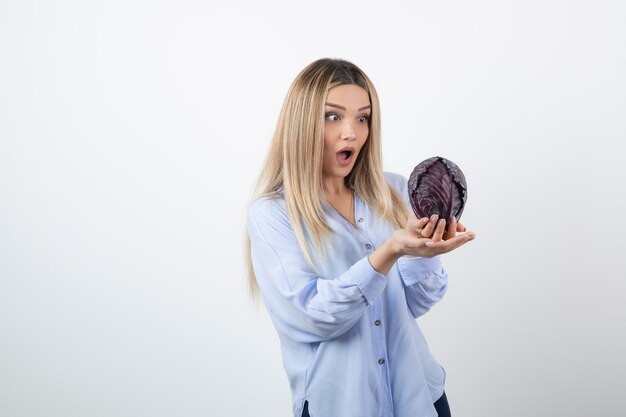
(304, 306)
(425, 283)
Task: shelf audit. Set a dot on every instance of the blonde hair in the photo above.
(300, 131)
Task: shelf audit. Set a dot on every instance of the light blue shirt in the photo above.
(351, 345)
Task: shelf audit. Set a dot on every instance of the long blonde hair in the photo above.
(300, 132)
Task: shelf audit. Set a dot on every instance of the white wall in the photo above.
(131, 133)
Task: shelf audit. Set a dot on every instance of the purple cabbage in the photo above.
(437, 186)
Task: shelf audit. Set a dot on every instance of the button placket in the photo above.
(359, 215)
(378, 333)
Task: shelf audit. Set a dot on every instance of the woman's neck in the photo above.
(335, 187)
(341, 198)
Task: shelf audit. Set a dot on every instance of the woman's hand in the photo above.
(427, 237)
(423, 237)
(425, 227)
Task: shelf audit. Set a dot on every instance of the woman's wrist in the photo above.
(383, 258)
(396, 238)
(395, 245)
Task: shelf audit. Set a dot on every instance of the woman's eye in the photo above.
(363, 119)
(332, 116)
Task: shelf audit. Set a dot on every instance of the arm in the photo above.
(304, 306)
(425, 283)
(424, 278)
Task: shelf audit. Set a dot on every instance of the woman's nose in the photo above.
(348, 131)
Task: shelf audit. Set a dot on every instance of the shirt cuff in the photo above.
(370, 282)
(414, 270)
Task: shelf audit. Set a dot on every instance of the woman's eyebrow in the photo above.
(343, 108)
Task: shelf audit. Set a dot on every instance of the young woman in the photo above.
(341, 270)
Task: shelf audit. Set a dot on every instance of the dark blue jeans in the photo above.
(441, 405)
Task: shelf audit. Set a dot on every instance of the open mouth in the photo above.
(344, 156)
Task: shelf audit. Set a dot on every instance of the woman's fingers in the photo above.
(452, 229)
(421, 223)
(439, 231)
(415, 225)
(435, 228)
(445, 246)
(428, 230)
(412, 221)
(411, 245)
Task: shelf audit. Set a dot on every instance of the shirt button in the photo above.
(377, 323)
(360, 220)
(381, 361)
(368, 246)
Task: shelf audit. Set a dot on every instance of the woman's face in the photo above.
(346, 128)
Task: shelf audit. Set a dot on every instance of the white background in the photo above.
(131, 133)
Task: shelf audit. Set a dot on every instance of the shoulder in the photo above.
(268, 208)
(267, 219)
(397, 181)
